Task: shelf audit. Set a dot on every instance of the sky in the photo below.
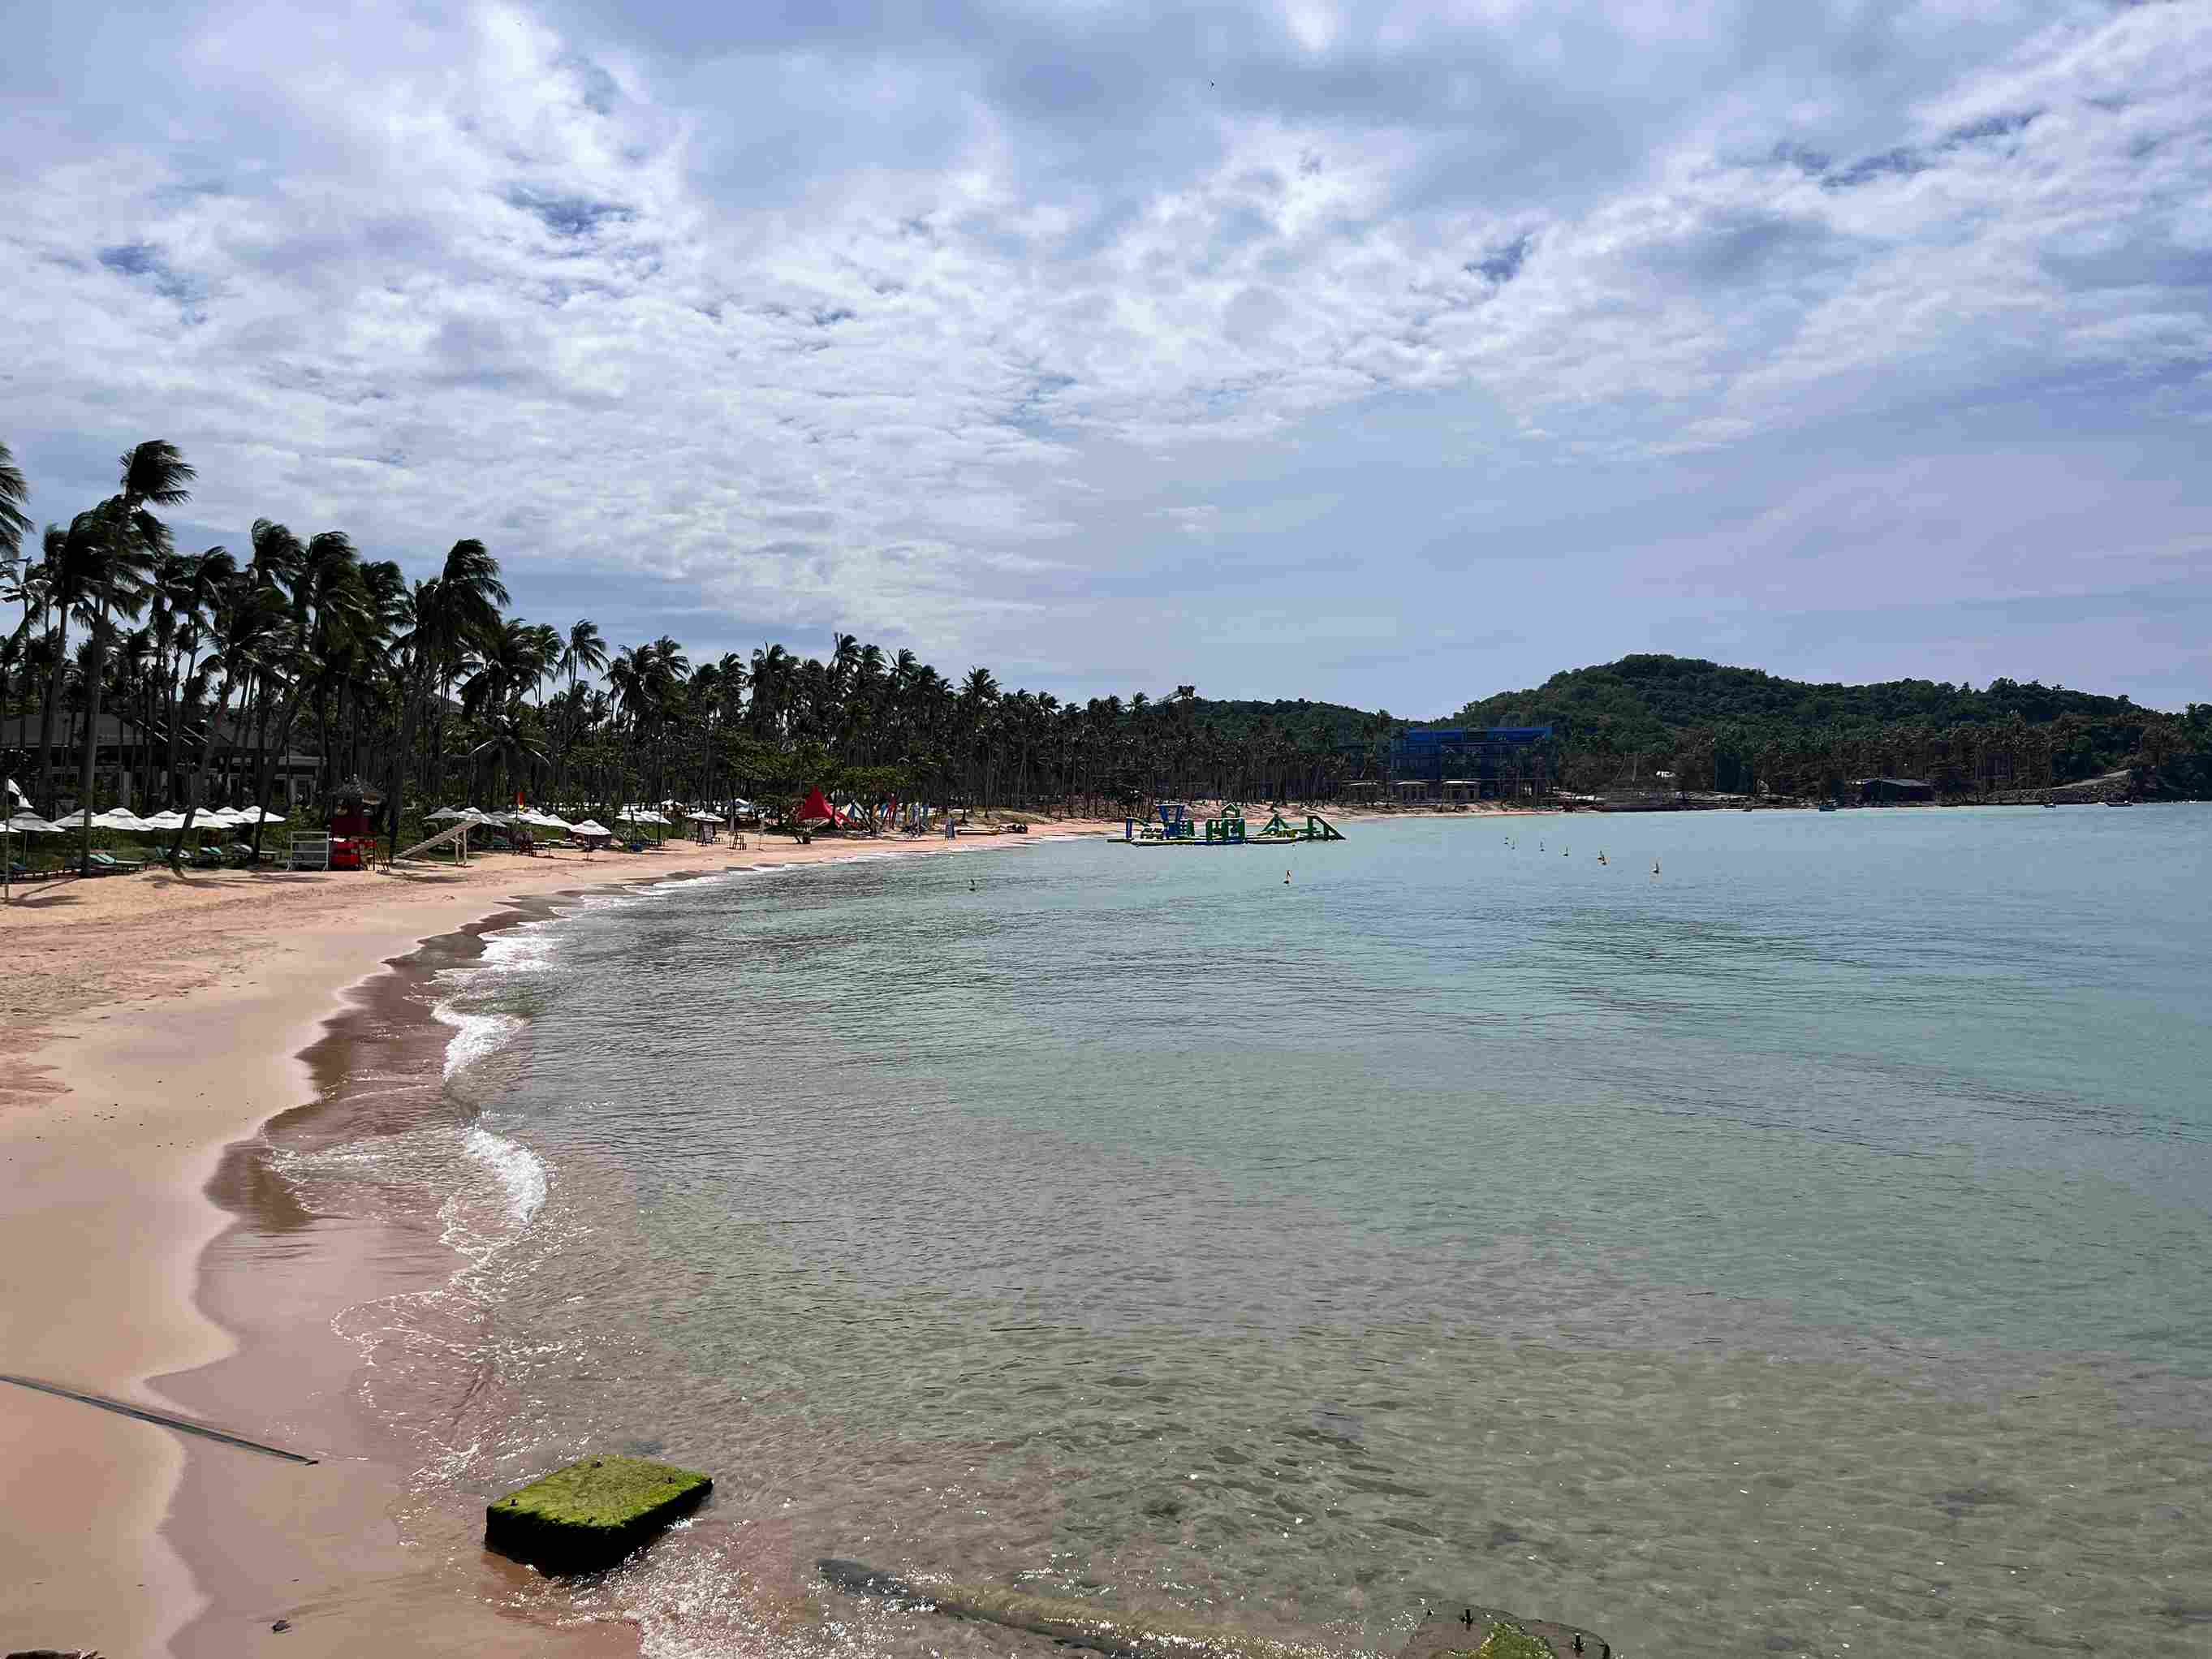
(1394, 354)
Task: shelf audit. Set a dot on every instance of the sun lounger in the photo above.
(106, 864)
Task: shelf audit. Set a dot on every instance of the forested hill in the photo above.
(1646, 702)
(1723, 727)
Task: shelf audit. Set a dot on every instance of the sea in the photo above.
(1735, 1233)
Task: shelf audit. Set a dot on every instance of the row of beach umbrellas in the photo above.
(532, 817)
(120, 817)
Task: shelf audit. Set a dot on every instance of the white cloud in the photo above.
(823, 321)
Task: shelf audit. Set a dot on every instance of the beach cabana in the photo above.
(25, 822)
(590, 830)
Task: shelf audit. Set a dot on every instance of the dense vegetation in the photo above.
(1716, 727)
(432, 691)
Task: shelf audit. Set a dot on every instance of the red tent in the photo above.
(816, 809)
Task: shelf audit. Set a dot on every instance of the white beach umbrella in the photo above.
(169, 819)
(591, 827)
(703, 817)
(30, 823)
(120, 817)
(258, 815)
(548, 820)
(448, 814)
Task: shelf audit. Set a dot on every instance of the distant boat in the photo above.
(1827, 806)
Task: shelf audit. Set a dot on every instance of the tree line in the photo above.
(1740, 730)
(225, 660)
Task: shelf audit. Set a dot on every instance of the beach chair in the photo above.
(106, 864)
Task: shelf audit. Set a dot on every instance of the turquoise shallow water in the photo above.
(1807, 1248)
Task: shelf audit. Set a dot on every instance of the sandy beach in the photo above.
(153, 1022)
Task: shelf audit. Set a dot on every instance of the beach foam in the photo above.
(521, 1173)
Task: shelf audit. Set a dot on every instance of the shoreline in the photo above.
(155, 1024)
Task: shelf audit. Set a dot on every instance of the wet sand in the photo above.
(152, 1025)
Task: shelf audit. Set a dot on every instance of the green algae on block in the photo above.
(593, 1513)
(1510, 1641)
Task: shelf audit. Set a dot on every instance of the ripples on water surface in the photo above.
(1803, 1250)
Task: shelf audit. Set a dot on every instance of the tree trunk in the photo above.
(269, 757)
(47, 793)
(93, 662)
(199, 776)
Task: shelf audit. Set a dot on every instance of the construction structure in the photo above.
(1455, 764)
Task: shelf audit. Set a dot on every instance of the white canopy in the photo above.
(171, 819)
(704, 816)
(591, 827)
(641, 815)
(120, 817)
(256, 815)
(447, 813)
(545, 820)
(30, 823)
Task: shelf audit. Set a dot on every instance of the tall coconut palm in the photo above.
(449, 614)
(187, 590)
(131, 539)
(14, 523)
(249, 617)
(582, 652)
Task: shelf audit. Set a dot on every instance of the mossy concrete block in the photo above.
(593, 1513)
(1480, 1632)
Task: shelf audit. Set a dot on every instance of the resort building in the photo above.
(130, 755)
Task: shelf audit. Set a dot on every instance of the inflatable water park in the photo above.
(1178, 828)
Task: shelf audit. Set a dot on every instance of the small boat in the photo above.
(1827, 806)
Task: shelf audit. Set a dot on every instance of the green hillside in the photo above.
(1721, 728)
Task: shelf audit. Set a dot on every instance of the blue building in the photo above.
(1490, 763)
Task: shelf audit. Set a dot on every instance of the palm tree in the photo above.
(447, 617)
(248, 616)
(15, 492)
